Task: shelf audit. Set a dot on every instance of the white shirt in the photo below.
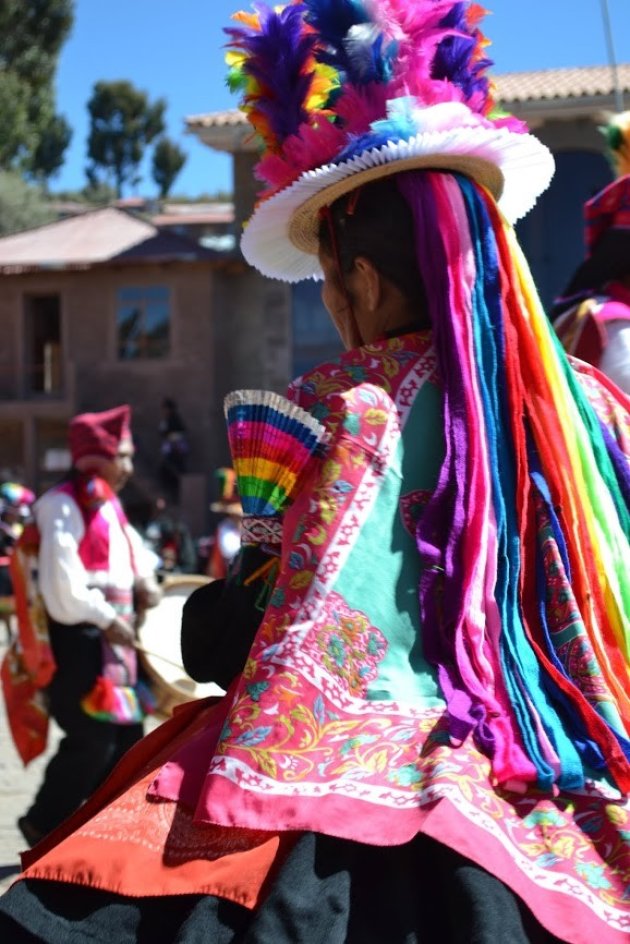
(71, 593)
(615, 361)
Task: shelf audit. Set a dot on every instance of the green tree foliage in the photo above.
(168, 160)
(32, 136)
(98, 193)
(122, 123)
(22, 205)
(47, 157)
(16, 135)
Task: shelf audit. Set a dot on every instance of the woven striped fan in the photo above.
(272, 441)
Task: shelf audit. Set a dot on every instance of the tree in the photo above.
(32, 32)
(122, 123)
(15, 130)
(22, 206)
(47, 157)
(98, 192)
(168, 160)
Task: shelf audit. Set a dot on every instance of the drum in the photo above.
(159, 647)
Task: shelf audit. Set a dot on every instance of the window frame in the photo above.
(144, 289)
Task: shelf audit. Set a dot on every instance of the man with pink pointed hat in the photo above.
(91, 565)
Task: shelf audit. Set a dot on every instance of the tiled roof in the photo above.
(129, 203)
(217, 119)
(570, 83)
(99, 236)
(547, 84)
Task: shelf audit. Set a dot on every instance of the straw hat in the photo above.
(227, 508)
(344, 94)
(229, 502)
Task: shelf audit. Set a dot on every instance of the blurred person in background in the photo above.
(226, 540)
(174, 448)
(15, 508)
(91, 567)
(592, 316)
(170, 539)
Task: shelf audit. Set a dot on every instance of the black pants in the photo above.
(90, 748)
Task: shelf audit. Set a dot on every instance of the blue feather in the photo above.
(399, 126)
(364, 49)
(278, 56)
(350, 45)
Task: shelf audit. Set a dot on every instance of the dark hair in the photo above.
(375, 221)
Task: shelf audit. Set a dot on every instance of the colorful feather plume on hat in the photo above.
(618, 137)
(15, 494)
(227, 484)
(319, 79)
(272, 441)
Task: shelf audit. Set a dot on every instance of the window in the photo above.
(143, 317)
(43, 354)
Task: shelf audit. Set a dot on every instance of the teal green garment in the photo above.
(370, 581)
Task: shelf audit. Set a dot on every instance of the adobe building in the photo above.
(104, 308)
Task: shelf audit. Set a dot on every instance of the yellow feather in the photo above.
(248, 19)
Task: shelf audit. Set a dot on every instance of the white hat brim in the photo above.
(280, 239)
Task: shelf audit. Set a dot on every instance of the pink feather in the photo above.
(309, 148)
(359, 106)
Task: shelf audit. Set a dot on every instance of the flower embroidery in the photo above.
(593, 873)
(350, 647)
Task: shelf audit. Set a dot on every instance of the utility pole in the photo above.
(611, 56)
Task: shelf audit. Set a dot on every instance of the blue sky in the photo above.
(174, 50)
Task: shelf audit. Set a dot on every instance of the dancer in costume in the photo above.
(174, 449)
(15, 508)
(428, 741)
(592, 316)
(90, 564)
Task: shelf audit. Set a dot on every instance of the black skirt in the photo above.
(328, 891)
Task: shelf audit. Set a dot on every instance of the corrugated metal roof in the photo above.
(546, 84)
(91, 238)
(210, 207)
(192, 219)
(165, 246)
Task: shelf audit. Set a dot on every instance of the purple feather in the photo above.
(278, 56)
(453, 59)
